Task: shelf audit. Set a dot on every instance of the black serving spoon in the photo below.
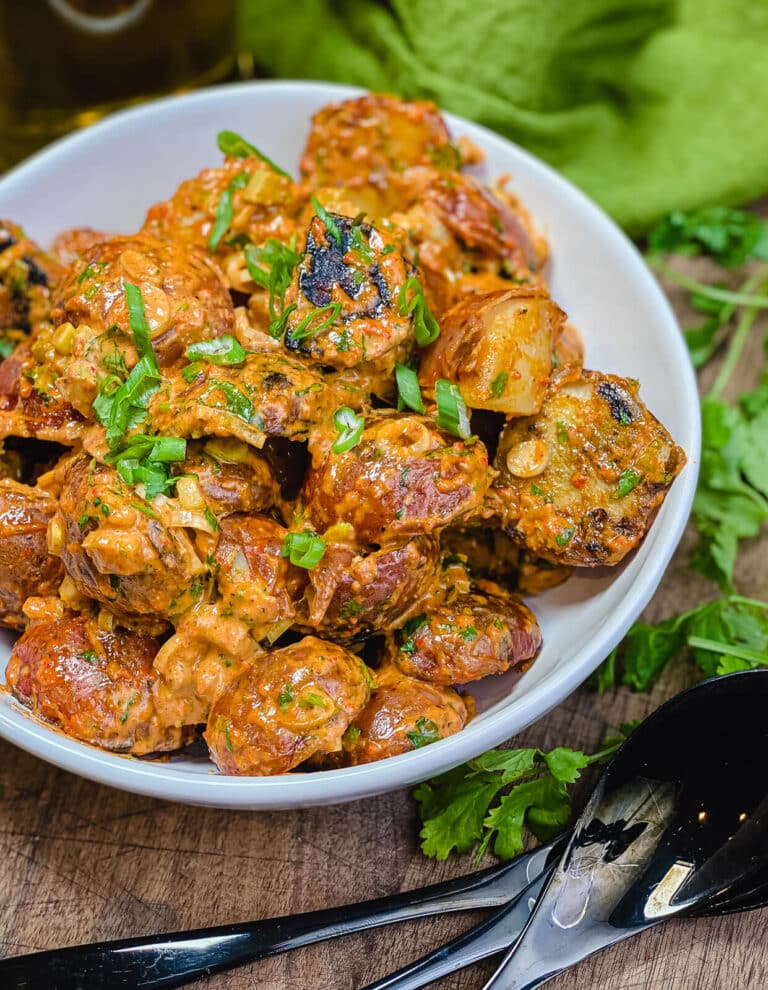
(153, 962)
(174, 959)
(678, 821)
(709, 745)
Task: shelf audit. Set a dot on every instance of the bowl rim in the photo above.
(353, 783)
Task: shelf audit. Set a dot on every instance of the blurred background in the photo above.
(649, 105)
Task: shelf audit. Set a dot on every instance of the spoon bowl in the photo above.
(678, 820)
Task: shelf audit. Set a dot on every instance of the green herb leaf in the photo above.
(499, 384)
(304, 549)
(331, 227)
(628, 480)
(350, 427)
(309, 326)
(235, 146)
(488, 802)
(411, 301)
(224, 350)
(225, 209)
(408, 392)
(271, 266)
(730, 236)
(452, 413)
(424, 733)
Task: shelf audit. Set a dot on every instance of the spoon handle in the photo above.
(486, 939)
(163, 961)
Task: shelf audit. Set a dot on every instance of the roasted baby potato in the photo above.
(470, 636)
(254, 579)
(233, 477)
(344, 306)
(31, 404)
(404, 478)
(268, 395)
(127, 553)
(290, 705)
(207, 652)
(353, 594)
(265, 204)
(184, 297)
(497, 347)
(26, 567)
(27, 277)
(581, 482)
(403, 714)
(94, 684)
(369, 144)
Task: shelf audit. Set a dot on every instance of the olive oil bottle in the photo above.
(64, 63)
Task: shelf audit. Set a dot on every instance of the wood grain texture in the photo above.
(82, 862)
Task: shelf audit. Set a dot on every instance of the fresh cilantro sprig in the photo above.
(730, 236)
(488, 802)
(723, 636)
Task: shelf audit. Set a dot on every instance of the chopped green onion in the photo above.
(137, 320)
(285, 697)
(331, 227)
(277, 327)
(235, 146)
(192, 371)
(225, 210)
(498, 384)
(408, 392)
(564, 537)
(451, 409)
(360, 245)
(306, 329)
(628, 480)
(350, 427)
(424, 733)
(425, 326)
(281, 260)
(144, 460)
(235, 402)
(304, 549)
(221, 350)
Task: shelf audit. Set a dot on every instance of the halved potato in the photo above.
(497, 347)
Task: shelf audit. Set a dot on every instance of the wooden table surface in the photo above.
(82, 862)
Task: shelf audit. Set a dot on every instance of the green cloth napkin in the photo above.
(649, 105)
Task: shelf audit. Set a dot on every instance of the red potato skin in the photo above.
(403, 714)
(404, 478)
(185, 299)
(290, 705)
(94, 685)
(353, 594)
(470, 637)
(26, 567)
(24, 412)
(254, 580)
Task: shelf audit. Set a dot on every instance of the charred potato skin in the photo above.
(27, 277)
(469, 637)
(497, 347)
(185, 299)
(357, 269)
(93, 684)
(609, 465)
(355, 594)
(404, 478)
(292, 704)
(26, 567)
(127, 559)
(403, 714)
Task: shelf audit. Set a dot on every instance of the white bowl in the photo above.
(107, 176)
